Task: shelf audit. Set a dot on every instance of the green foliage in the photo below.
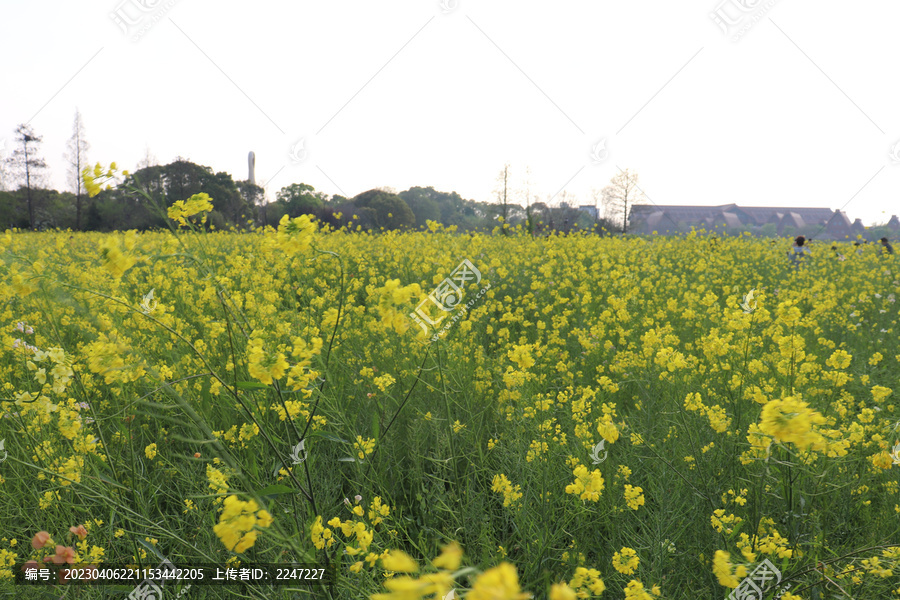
(300, 199)
(389, 211)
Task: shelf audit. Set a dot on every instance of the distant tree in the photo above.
(76, 156)
(300, 199)
(526, 188)
(6, 146)
(621, 195)
(254, 199)
(503, 192)
(876, 232)
(424, 204)
(234, 202)
(540, 217)
(183, 179)
(327, 217)
(388, 210)
(149, 160)
(228, 199)
(11, 213)
(28, 166)
(151, 180)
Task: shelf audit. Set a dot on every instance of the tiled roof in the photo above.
(650, 217)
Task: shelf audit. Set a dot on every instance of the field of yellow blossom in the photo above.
(614, 417)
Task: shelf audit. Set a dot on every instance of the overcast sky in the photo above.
(796, 104)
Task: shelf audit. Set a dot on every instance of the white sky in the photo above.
(801, 110)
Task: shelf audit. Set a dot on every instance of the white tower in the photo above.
(252, 160)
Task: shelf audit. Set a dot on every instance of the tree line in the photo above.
(26, 202)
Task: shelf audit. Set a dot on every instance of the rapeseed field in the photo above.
(430, 415)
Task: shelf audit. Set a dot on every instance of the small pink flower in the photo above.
(40, 540)
(64, 554)
(80, 531)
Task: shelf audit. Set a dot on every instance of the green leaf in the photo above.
(327, 436)
(376, 425)
(109, 481)
(251, 385)
(276, 490)
(151, 548)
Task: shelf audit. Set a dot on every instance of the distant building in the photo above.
(590, 210)
(894, 224)
(812, 222)
(838, 227)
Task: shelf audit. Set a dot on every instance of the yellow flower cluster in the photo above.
(792, 420)
(521, 355)
(195, 205)
(436, 584)
(363, 446)
(626, 561)
(587, 485)
(295, 235)
(353, 528)
(150, 451)
(395, 302)
(585, 582)
(728, 575)
(718, 418)
(384, 382)
(60, 369)
(635, 591)
(111, 357)
(237, 523)
(722, 522)
(217, 481)
(114, 260)
(634, 497)
(502, 485)
(265, 366)
(94, 178)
